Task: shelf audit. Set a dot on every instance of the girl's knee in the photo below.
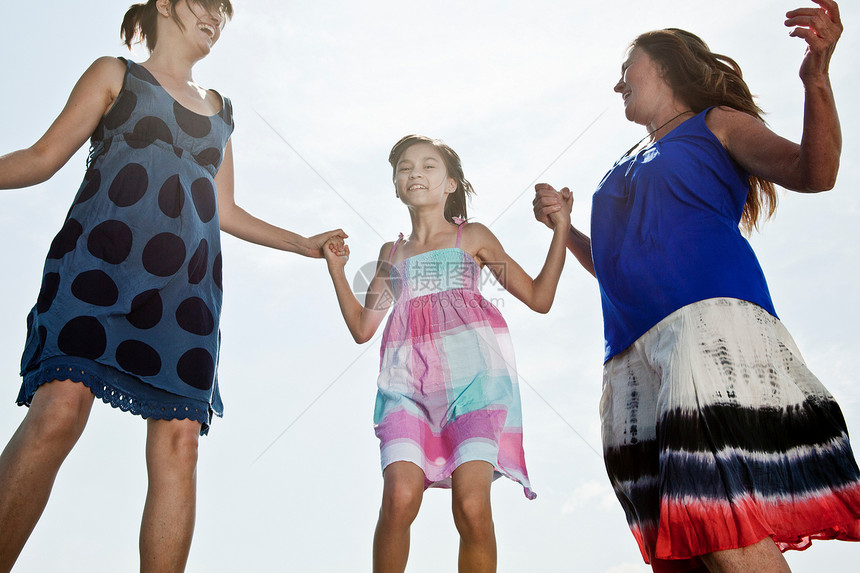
(473, 515)
(401, 503)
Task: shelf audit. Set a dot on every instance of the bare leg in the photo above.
(168, 516)
(401, 499)
(473, 517)
(761, 557)
(29, 464)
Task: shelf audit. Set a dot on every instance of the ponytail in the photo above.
(139, 24)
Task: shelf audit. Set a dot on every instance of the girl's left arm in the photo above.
(537, 293)
(811, 166)
(241, 224)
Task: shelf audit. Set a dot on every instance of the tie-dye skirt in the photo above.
(716, 436)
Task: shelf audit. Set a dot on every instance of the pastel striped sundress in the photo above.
(448, 391)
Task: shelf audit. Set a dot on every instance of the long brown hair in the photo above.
(455, 205)
(140, 20)
(702, 78)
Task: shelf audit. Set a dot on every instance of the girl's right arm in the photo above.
(547, 201)
(362, 320)
(90, 99)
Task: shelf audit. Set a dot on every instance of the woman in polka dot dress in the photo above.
(131, 292)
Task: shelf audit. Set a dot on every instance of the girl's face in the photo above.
(642, 87)
(420, 177)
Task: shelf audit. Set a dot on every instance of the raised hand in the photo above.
(821, 28)
(551, 206)
(316, 242)
(336, 251)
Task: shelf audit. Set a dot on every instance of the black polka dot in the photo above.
(93, 180)
(203, 195)
(95, 287)
(99, 133)
(198, 262)
(50, 285)
(110, 241)
(191, 123)
(171, 198)
(146, 310)
(194, 316)
(210, 156)
(147, 131)
(83, 336)
(138, 358)
(196, 368)
(121, 110)
(66, 239)
(142, 73)
(129, 185)
(164, 254)
(216, 271)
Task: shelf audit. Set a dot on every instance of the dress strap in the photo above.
(460, 223)
(396, 244)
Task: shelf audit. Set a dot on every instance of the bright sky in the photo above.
(289, 480)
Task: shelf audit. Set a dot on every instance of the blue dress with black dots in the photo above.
(131, 290)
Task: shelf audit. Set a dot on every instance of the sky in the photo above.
(289, 479)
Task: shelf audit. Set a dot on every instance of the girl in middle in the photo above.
(448, 410)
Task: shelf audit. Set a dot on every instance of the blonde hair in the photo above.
(702, 79)
(455, 205)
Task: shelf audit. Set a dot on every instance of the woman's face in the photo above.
(200, 26)
(642, 87)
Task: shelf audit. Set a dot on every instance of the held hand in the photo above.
(821, 28)
(335, 251)
(549, 202)
(315, 243)
(561, 218)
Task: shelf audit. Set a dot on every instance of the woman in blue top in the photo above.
(130, 300)
(720, 444)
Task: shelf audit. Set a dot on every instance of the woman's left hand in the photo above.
(316, 242)
(821, 28)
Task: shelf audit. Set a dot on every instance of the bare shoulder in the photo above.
(108, 69)
(385, 251)
(726, 122)
(480, 242)
(477, 232)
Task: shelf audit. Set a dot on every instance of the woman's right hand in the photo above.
(552, 207)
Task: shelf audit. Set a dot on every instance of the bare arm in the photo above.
(361, 320)
(813, 165)
(538, 293)
(548, 201)
(90, 99)
(241, 224)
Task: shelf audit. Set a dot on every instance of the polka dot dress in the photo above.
(131, 291)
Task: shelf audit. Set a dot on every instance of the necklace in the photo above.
(650, 133)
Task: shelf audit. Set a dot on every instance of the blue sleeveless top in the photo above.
(664, 233)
